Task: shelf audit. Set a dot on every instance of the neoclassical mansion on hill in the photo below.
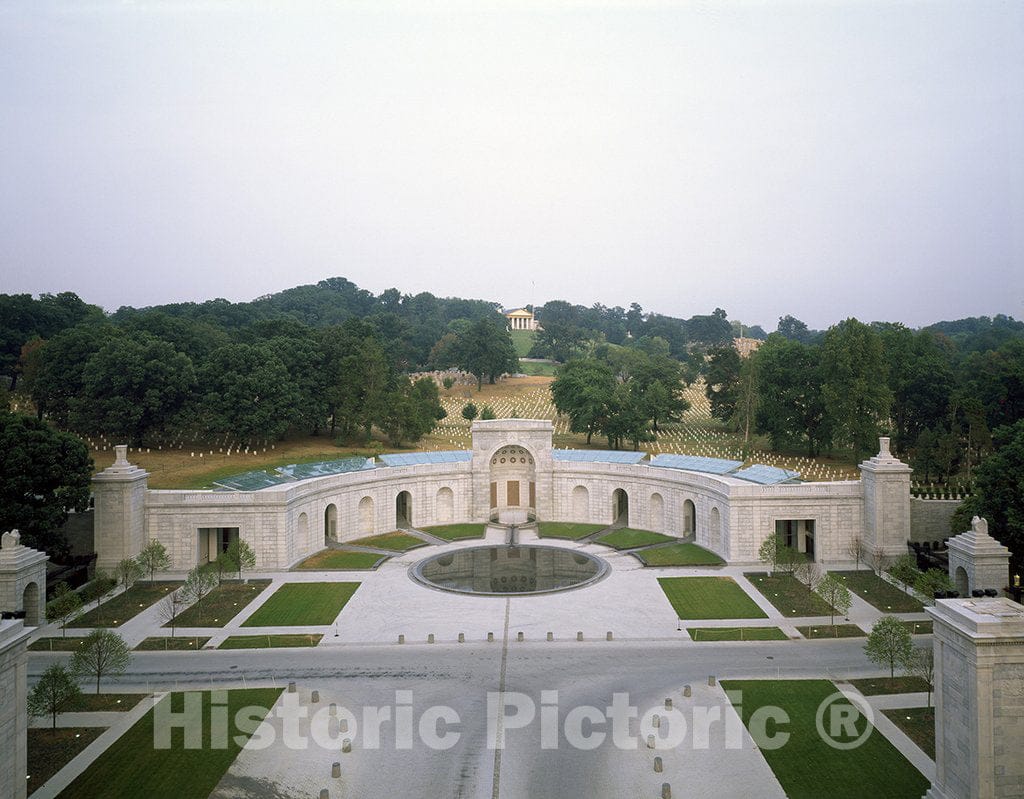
(512, 474)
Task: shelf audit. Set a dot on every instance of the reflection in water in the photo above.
(509, 570)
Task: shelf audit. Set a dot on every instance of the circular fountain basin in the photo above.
(509, 570)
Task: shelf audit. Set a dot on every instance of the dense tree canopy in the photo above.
(44, 474)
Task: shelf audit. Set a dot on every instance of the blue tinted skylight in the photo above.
(251, 481)
(696, 463)
(303, 471)
(419, 458)
(596, 456)
(767, 475)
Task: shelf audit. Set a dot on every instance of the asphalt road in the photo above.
(534, 761)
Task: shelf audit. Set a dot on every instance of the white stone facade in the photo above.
(13, 709)
(977, 560)
(979, 699)
(511, 471)
(22, 579)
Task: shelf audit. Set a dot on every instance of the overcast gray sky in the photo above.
(825, 159)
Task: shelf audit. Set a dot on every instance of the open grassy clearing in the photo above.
(807, 766)
(126, 605)
(179, 643)
(570, 531)
(875, 686)
(679, 555)
(537, 368)
(339, 559)
(268, 641)
(873, 589)
(396, 541)
(736, 634)
(299, 604)
(132, 766)
(790, 596)
(918, 723)
(828, 631)
(630, 538)
(523, 341)
(50, 750)
(221, 605)
(709, 598)
(457, 532)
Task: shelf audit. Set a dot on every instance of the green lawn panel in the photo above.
(679, 555)
(628, 538)
(809, 768)
(709, 598)
(133, 767)
(301, 604)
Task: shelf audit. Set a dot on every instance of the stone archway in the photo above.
(960, 581)
(330, 523)
(513, 495)
(620, 506)
(403, 510)
(30, 604)
(366, 516)
(689, 517)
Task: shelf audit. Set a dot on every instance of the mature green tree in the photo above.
(56, 692)
(889, 643)
(722, 379)
(485, 350)
(793, 329)
(856, 396)
(999, 493)
(626, 420)
(791, 409)
(748, 399)
(44, 474)
(59, 379)
(305, 362)
(102, 654)
(487, 413)
(583, 390)
(919, 377)
(154, 558)
(246, 393)
(469, 411)
(559, 341)
(133, 388)
(658, 383)
(414, 409)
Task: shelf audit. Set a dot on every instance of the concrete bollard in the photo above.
(711, 680)
(656, 722)
(401, 639)
(551, 636)
(579, 636)
(608, 636)
(650, 741)
(291, 688)
(666, 791)
(332, 710)
(336, 769)
(314, 697)
(325, 794)
(430, 638)
(490, 638)
(346, 745)
(686, 690)
(519, 636)
(668, 703)
(462, 638)
(657, 765)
